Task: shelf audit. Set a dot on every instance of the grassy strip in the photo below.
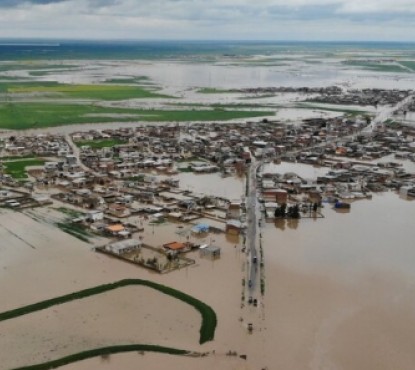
(373, 66)
(17, 169)
(96, 92)
(209, 320)
(224, 106)
(74, 230)
(329, 109)
(37, 115)
(212, 90)
(36, 66)
(17, 157)
(106, 351)
(99, 144)
(130, 80)
(70, 212)
(408, 64)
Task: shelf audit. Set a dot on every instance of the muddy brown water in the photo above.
(339, 296)
(339, 290)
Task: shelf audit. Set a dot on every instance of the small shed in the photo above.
(210, 251)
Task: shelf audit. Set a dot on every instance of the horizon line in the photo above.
(65, 39)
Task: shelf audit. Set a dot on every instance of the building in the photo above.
(210, 251)
(118, 210)
(125, 246)
(177, 247)
(95, 216)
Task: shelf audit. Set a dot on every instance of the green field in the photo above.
(17, 169)
(131, 80)
(99, 144)
(75, 91)
(377, 67)
(75, 230)
(226, 106)
(24, 66)
(334, 108)
(212, 90)
(408, 64)
(37, 115)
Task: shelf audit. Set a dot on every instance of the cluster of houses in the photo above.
(134, 174)
(364, 97)
(42, 145)
(355, 170)
(329, 90)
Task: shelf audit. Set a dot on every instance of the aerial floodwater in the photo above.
(199, 205)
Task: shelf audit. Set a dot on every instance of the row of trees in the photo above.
(292, 211)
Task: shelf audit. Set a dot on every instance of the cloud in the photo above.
(212, 19)
(16, 3)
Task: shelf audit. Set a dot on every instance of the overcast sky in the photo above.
(383, 20)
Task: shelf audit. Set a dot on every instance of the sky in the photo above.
(329, 20)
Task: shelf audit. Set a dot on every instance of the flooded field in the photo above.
(213, 184)
(339, 290)
(27, 272)
(300, 169)
(335, 299)
(128, 315)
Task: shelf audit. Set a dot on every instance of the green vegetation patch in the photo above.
(213, 90)
(95, 92)
(70, 212)
(106, 351)
(377, 67)
(36, 115)
(75, 230)
(4, 67)
(353, 112)
(17, 169)
(99, 144)
(202, 115)
(408, 64)
(209, 319)
(219, 106)
(14, 157)
(131, 80)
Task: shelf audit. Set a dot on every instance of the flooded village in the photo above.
(202, 207)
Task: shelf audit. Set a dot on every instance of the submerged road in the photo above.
(251, 231)
(387, 112)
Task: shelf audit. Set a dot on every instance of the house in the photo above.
(114, 230)
(95, 216)
(177, 247)
(118, 210)
(124, 246)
